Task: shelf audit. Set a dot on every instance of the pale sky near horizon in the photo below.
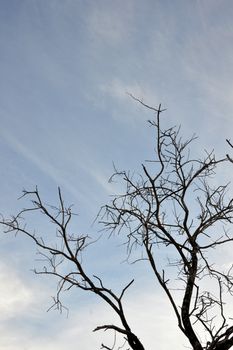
(66, 67)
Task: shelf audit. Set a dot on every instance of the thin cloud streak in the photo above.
(66, 67)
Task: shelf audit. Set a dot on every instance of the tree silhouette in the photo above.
(175, 206)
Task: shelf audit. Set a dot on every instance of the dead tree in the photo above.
(63, 259)
(158, 210)
(174, 206)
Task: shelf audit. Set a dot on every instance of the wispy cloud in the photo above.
(66, 68)
(77, 329)
(15, 296)
(36, 160)
(55, 173)
(111, 25)
(120, 90)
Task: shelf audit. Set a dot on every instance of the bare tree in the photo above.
(174, 204)
(63, 259)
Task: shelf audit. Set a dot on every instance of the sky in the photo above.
(66, 67)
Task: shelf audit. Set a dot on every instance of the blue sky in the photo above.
(65, 68)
